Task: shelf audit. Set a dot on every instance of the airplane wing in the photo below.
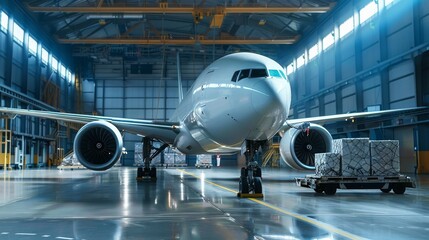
(164, 131)
(338, 117)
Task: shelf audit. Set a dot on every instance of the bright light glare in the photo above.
(346, 27)
(367, 12)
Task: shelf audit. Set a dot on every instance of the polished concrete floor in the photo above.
(199, 204)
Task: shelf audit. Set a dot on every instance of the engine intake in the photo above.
(98, 145)
(298, 147)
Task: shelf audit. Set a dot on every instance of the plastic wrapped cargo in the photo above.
(384, 157)
(355, 157)
(328, 164)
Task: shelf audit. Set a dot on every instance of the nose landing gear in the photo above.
(250, 183)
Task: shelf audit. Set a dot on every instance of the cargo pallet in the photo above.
(329, 185)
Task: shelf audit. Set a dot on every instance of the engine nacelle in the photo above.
(98, 145)
(298, 147)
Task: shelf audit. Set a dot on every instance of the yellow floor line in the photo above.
(311, 221)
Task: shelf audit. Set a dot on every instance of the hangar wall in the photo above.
(30, 81)
(122, 92)
(370, 64)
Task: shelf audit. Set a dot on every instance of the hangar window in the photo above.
(367, 12)
(62, 71)
(234, 77)
(258, 73)
(45, 56)
(313, 52)
(54, 64)
(346, 27)
(388, 2)
(69, 76)
(290, 69)
(244, 74)
(300, 61)
(328, 40)
(4, 19)
(18, 33)
(32, 45)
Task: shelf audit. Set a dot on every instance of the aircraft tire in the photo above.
(243, 185)
(257, 185)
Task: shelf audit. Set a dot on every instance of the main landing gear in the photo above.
(250, 184)
(146, 172)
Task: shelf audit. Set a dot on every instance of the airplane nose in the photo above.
(270, 100)
(271, 95)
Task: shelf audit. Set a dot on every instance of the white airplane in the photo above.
(236, 104)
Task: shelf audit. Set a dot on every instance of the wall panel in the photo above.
(371, 56)
(372, 96)
(349, 104)
(400, 41)
(399, 16)
(402, 88)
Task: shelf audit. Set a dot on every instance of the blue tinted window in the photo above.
(274, 73)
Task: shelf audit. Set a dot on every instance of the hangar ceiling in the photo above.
(112, 27)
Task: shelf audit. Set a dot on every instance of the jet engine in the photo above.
(298, 146)
(98, 145)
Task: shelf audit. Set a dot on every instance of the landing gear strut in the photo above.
(146, 172)
(250, 184)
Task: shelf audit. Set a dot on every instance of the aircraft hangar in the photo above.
(89, 80)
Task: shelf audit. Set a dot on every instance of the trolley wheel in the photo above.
(318, 190)
(258, 185)
(399, 189)
(243, 185)
(385, 190)
(330, 190)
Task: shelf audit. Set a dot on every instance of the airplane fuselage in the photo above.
(242, 96)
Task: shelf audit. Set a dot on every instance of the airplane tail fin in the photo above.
(179, 78)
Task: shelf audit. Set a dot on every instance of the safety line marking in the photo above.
(306, 219)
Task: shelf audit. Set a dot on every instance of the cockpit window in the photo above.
(244, 74)
(274, 73)
(258, 73)
(283, 75)
(234, 77)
